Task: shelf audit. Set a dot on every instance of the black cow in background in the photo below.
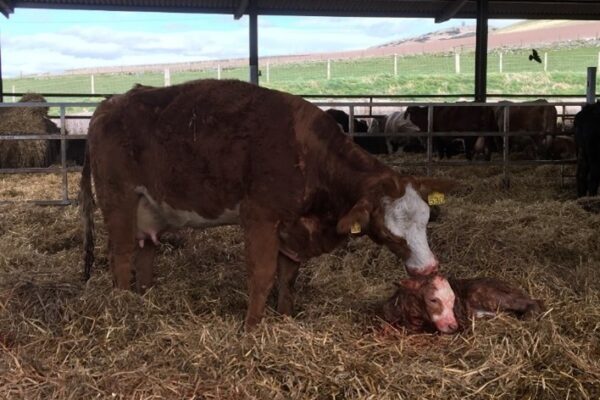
(75, 151)
(374, 145)
(587, 137)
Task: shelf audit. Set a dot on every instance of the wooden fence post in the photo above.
(167, 77)
(545, 62)
(396, 64)
(268, 72)
(457, 62)
(500, 62)
(93, 86)
(328, 69)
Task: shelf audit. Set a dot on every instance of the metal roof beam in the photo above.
(450, 10)
(6, 7)
(241, 10)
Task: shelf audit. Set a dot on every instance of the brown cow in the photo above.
(427, 304)
(468, 118)
(537, 120)
(210, 152)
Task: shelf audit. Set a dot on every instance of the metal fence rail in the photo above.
(504, 133)
(365, 109)
(63, 137)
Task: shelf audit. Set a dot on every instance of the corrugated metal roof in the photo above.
(527, 9)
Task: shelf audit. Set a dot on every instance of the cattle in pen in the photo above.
(535, 123)
(393, 126)
(208, 153)
(374, 144)
(466, 118)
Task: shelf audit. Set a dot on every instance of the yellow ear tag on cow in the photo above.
(355, 228)
(436, 198)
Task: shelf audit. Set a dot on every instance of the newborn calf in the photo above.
(479, 297)
(416, 304)
(422, 304)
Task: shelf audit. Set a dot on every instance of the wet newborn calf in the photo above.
(414, 305)
(479, 297)
(422, 304)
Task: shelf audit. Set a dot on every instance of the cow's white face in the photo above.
(407, 218)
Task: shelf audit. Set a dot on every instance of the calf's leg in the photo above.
(287, 272)
(520, 305)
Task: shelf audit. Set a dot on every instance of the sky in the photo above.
(52, 41)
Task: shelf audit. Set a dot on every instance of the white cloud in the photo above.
(78, 46)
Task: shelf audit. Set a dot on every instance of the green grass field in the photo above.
(419, 74)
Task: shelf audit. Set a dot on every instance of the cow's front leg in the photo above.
(287, 272)
(121, 259)
(594, 181)
(262, 247)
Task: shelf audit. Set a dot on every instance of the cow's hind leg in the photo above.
(262, 248)
(520, 305)
(144, 270)
(121, 233)
(287, 272)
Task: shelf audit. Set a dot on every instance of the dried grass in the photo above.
(62, 339)
(26, 120)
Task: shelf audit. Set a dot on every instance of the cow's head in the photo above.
(395, 213)
(437, 299)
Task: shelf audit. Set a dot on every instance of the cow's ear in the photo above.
(426, 185)
(357, 219)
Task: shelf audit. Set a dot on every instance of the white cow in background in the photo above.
(395, 123)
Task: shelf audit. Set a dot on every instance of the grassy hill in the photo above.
(509, 72)
(422, 74)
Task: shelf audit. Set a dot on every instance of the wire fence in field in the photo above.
(348, 76)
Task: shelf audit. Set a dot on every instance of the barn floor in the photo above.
(63, 339)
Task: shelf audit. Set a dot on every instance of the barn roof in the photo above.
(438, 9)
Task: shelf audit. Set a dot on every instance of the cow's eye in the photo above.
(434, 301)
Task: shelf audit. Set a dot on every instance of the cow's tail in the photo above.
(86, 207)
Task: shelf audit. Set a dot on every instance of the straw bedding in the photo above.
(62, 339)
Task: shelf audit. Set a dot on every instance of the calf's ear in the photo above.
(357, 219)
(411, 283)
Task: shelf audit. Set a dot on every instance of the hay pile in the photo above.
(62, 339)
(26, 120)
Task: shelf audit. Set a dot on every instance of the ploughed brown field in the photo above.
(63, 339)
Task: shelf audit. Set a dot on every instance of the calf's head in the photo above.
(395, 213)
(437, 300)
